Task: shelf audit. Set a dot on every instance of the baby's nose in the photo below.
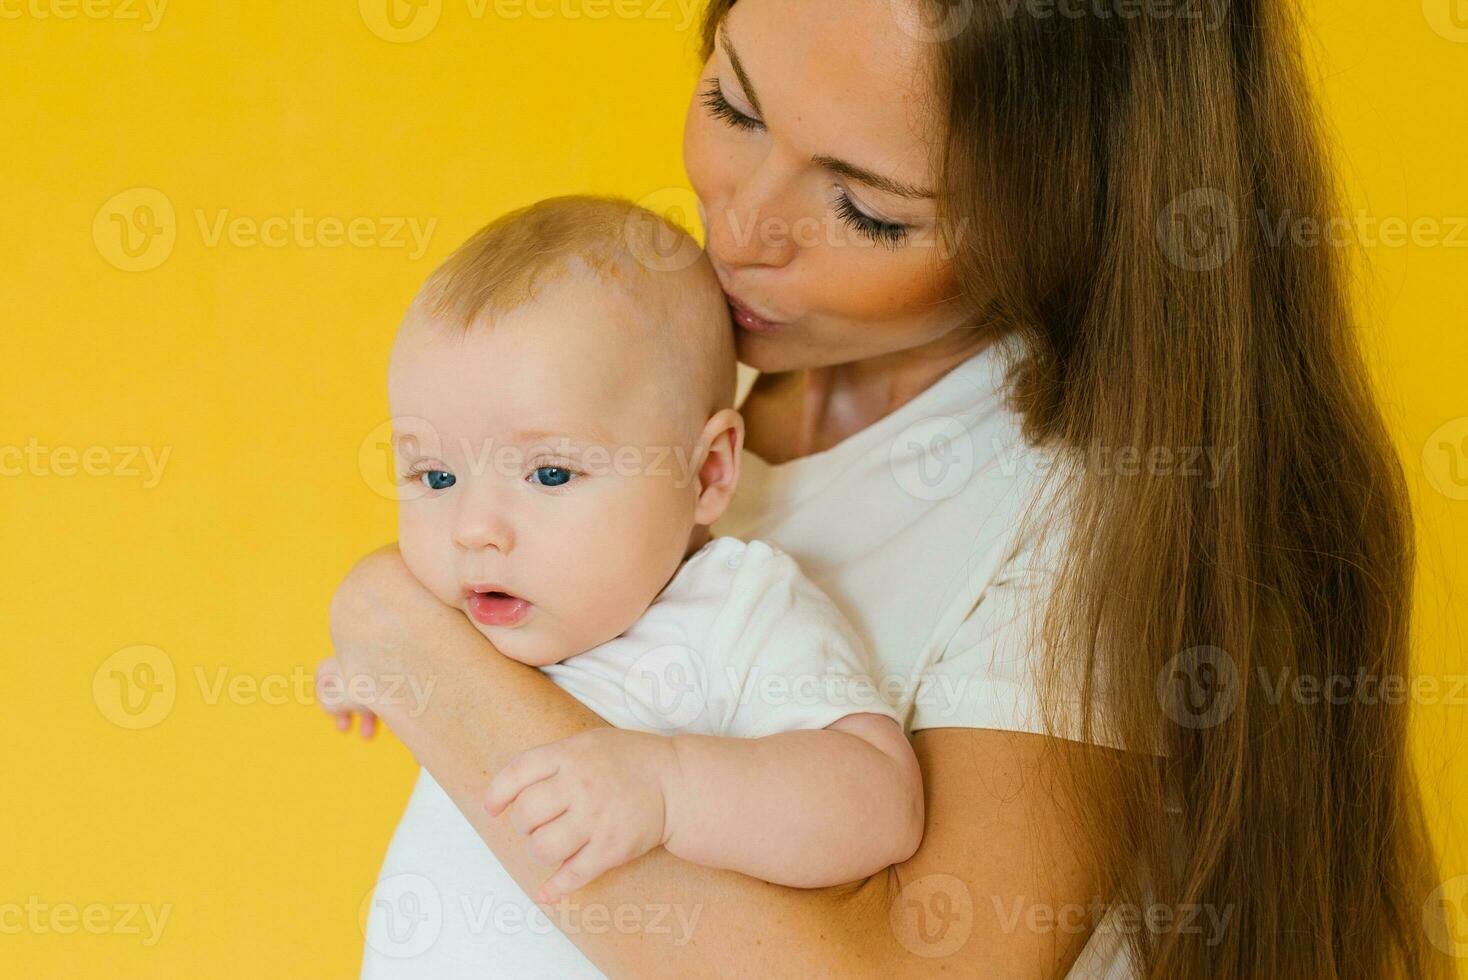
(481, 524)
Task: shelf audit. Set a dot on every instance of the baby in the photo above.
(562, 391)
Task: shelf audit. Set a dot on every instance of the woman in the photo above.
(901, 199)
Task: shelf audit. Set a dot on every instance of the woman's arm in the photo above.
(995, 889)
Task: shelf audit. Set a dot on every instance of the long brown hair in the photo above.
(1112, 188)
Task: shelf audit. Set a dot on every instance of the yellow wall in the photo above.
(258, 370)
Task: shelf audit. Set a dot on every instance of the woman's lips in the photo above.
(750, 320)
(498, 608)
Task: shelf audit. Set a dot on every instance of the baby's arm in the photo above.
(801, 808)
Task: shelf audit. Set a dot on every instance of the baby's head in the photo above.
(562, 398)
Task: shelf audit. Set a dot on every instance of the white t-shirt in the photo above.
(916, 527)
(913, 526)
(739, 643)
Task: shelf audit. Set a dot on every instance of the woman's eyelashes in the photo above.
(889, 234)
(722, 108)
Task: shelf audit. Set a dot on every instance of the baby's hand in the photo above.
(331, 694)
(588, 803)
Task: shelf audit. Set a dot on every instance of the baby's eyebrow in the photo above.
(592, 433)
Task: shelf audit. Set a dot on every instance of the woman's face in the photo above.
(810, 142)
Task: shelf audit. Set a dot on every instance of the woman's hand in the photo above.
(587, 803)
(336, 700)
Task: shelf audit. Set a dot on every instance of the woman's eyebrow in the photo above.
(739, 69)
(866, 176)
(843, 167)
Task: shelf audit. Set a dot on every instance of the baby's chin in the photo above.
(525, 643)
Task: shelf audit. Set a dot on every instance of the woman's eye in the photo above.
(885, 233)
(888, 234)
(437, 479)
(715, 102)
(551, 476)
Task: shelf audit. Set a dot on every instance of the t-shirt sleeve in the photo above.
(985, 674)
(784, 655)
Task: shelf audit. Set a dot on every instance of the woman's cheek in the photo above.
(899, 294)
(694, 161)
(708, 162)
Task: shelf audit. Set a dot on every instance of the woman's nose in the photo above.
(482, 522)
(755, 225)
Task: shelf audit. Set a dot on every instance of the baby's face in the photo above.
(549, 490)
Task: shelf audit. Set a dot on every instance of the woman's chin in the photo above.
(770, 353)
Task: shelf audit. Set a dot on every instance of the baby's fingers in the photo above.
(525, 769)
(556, 842)
(584, 867)
(537, 806)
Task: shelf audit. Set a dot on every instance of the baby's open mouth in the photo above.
(495, 608)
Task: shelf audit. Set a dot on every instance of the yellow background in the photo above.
(260, 370)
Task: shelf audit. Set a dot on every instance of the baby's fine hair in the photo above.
(503, 264)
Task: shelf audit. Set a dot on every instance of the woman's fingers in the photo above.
(368, 727)
(329, 686)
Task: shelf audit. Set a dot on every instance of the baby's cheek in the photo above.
(425, 558)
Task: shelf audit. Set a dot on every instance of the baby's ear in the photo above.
(719, 446)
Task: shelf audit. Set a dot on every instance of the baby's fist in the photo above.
(587, 803)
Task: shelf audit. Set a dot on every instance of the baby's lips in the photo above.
(498, 608)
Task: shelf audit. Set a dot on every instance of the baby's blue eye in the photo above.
(437, 479)
(551, 476)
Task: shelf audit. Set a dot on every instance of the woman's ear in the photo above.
(719, 446)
